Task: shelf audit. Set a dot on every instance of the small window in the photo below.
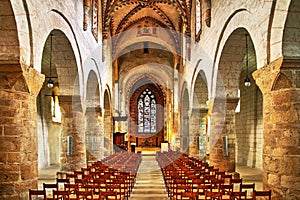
(146, 50)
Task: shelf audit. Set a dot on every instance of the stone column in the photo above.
(94, 134)
(222, 133)
(73, 155)
(108, 133)
(279, 82)
(18, 125)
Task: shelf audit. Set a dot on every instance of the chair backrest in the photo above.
(189, 195)
(248, 187)
(109, 195)
(225, 189)
(61, 194)
(49, 187)
(213, 195)
(85, 194)
(72, 187)
(61, 182)
(33, 194)
(238, 195)
(262, 193)
(236, 183)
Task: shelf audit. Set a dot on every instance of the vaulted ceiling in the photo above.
(122, 15)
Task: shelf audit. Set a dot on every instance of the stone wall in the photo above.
(249, 128)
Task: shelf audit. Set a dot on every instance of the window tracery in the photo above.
(147, 112)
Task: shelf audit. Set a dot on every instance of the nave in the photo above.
(149, 183)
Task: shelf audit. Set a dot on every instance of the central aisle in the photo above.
(149, 183)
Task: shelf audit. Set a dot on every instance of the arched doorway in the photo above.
(94, 128)
(198, 120)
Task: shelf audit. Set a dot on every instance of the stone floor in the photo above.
(149, 184)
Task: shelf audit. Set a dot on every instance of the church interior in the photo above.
(133, 85)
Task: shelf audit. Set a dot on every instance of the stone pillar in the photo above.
(108, 132)
(73, 155)
(222, 133)
(18, 125)
(279, 82)
(94, 134)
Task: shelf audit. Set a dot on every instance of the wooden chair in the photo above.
(209, 195)
(190, 195)
(262, 193)
(49, 187)
(61, 183)
(236, 183)
(33, 194)
(226, 189)
(109, 195)
(61, 195)
(72, 187)
(201, 189)
(238, 195)
(249, 188)
(84, 195)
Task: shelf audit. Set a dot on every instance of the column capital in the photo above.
(21, 78)
(265, 76)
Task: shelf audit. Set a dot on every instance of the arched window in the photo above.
(198, 16)
(147, 112)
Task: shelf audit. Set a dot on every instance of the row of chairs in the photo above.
(191, 178)
(110, 178)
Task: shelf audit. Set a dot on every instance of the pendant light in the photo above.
(50, 82)
(247, 80)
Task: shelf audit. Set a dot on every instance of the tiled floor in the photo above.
(149, 184)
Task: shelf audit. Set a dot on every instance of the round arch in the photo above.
(107, 122)
(185, 120)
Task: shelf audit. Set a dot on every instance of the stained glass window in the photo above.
(147, 112)
(198, 16)
(95, 19)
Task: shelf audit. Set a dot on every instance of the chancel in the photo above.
(169, 99)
